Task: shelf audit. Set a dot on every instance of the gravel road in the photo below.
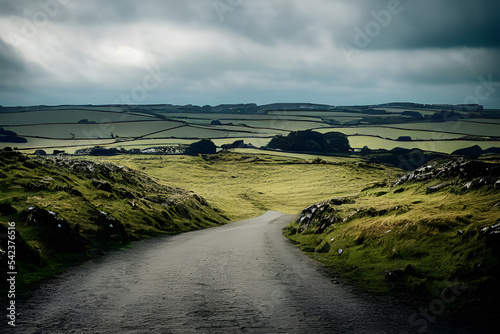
(243, 277)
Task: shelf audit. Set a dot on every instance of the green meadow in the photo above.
(246, 185)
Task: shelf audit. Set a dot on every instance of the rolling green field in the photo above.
(246, 185)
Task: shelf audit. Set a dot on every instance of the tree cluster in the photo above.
(312, 141)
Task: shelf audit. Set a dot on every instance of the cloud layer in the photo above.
(262, 51)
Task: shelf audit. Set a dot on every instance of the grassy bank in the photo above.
(412, 241)
(67, 211)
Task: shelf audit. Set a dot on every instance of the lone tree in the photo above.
(312, 141)
(204, 146)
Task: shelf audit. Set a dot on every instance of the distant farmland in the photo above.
(73, 127)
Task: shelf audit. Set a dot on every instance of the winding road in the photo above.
(243, 277)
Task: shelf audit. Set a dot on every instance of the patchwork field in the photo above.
(72, 127)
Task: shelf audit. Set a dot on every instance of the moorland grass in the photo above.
(245, 185)
(433, 240)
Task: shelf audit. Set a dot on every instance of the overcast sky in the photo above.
(241, 51)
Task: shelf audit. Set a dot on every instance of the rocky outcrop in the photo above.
(318, 217)
(470, 174)
(98, 151)
(491, 233)
(77, 209)
(160, 150)
(109, 228)
(53, 229)
(155, 150)
(89, 168)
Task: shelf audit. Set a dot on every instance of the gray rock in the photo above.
(54, 229)
(324, 247)
(435, 188)
(109, 227)
(491, 233)
(461, 169)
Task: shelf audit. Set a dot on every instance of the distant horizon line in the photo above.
(245, 104)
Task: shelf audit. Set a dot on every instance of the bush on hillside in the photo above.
(204, 146)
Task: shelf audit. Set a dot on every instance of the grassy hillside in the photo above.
(69, 210)
(416, 238)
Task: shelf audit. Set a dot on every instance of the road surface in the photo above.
(243, 277)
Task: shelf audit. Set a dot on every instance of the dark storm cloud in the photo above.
(427, 24)
(16, 76)
(9, 61)
(11, 67)
(271, 24)
(450, 23)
